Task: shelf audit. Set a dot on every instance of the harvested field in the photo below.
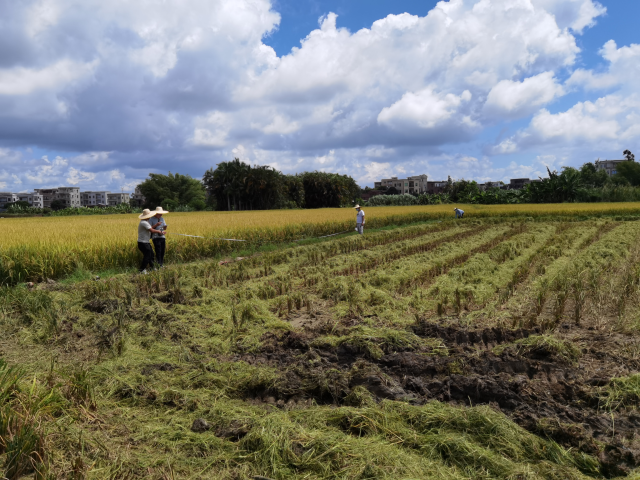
(481, 348)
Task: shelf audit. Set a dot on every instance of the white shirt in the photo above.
(360, 217)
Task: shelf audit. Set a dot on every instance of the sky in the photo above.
(100, 94)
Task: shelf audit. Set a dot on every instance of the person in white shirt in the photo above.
(144, 236)
(159, 242)
(359, 220)
(459, 213)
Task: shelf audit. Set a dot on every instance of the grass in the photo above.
(622, 392)
(104, 378)
(544, 345)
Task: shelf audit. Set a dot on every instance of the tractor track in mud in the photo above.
(540, 391)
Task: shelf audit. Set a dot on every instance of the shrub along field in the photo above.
(488, 347)
(35, 249)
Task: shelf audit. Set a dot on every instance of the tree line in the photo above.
(584, 184)
(236, 185)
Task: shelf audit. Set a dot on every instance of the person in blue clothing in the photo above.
(159, 240)
(459, 213)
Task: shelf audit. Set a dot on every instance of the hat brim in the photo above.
(161, 211)
(147, 216)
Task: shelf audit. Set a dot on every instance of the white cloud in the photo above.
(611, 122)
(133, 88)
(23, 81)
(574, 14)
(425, 109)
(516, 99)
(75, 177)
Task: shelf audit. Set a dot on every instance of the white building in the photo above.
(414, 184)
(7, 197)
(70, 196)
(117, 198)
(34, 200)
(609, 166)
(94, 199)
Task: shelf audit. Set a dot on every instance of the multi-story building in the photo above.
(70, 196)
(139, 199)
(436, 186)
(48, 195)
(7, 197)
(609, 166)
(518, 183)
(34, 200)
(114, 199)
(414, 184)
(94, 199)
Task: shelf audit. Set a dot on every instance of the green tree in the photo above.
(593, 177)
(323, 190)
(173, 188)
(630, 171)
(236, 185)
(294, 188)
(58, 205)
(629, 156)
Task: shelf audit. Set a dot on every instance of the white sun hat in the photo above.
(357, 206)
(159, 210)
(146, 213)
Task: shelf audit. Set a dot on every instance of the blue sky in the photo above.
(100, 94)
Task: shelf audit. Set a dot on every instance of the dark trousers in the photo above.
(160, 245)
(147, 255)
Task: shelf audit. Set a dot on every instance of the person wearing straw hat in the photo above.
(159, 241)
(459, 213)
(359, 220)
(144, 236)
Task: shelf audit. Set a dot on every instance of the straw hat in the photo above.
(159, 210)
(146, 213)
(357, 206)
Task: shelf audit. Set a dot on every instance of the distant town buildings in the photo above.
(138, 199)
(70, 197)
(609, 166)
(114, 199)
(94, 199)
(420, 184)
(7, 197)
(34, 200)
(415, 184)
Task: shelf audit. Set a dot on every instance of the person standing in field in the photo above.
(159, 240)
(459, 213)
(144, 236)
(359, 220)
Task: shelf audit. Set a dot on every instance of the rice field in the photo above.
(33, 249)
(493, 347)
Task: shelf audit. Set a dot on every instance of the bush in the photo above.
(392, 200)
(198, 205)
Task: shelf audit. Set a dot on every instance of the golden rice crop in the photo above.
(48, 247)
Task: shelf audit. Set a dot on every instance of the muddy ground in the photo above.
(543, 392)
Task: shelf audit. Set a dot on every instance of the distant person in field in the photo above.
(459, 213)
(144, 237)
(159, 240)
(359, 220)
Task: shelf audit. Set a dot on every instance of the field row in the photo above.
(39, 248)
